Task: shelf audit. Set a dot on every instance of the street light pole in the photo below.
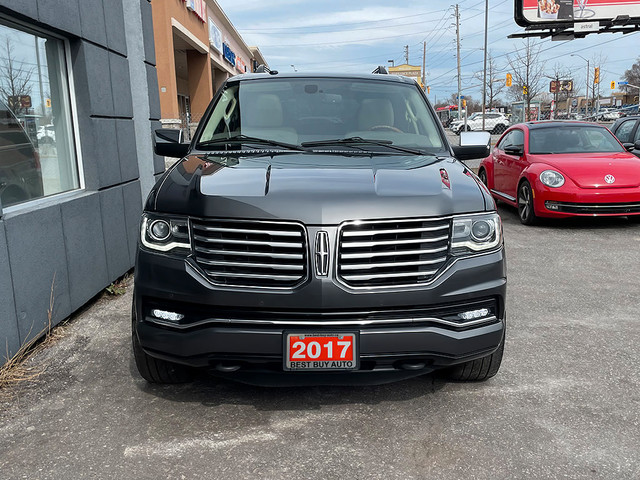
(484, 74)
(586, 107)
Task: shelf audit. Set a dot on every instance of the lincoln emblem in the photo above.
(322, 253)
(609, 178)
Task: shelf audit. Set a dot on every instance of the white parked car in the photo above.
(46, 134)
(494, 122)
(610, 115)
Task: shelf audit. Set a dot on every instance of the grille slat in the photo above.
(394, 231)
(251, 253)
(347, 256)
(274, 266)
(248, 242)
(392, 253)
(395, 242)
(247, 230)
(290, 256)
(364, 266)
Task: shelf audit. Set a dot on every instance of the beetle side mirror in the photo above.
(517, 150)
(168, 142)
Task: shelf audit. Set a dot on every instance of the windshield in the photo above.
(303, 110)
(572, 139)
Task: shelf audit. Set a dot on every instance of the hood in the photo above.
(317, 189)
(588, 170)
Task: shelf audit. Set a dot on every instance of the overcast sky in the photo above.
(355, 36)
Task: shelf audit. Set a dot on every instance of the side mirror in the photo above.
(168, 143)
(472, 145)
(514, 150)
(629, 146)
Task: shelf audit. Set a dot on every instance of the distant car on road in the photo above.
(627, 130)
(563, 169)
(46, 134)
(494, 122)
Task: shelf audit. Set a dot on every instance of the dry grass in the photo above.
(119, 287)
(16, 370)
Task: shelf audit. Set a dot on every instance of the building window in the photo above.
(37, 155)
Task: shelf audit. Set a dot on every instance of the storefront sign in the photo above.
(199, 7)
(228, 54)
(215, 36)
(240, 65)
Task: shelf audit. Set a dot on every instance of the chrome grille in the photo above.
(392, 253)
(251, 253)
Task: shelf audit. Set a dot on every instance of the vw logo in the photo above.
(609, 178)
(322, 253)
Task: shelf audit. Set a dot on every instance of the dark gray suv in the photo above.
(319, 229)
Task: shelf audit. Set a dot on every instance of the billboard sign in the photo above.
(549, 12)
(215, 36)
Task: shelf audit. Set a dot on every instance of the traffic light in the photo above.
(464, 103)
(596, 75)
(428, 89)
(525, 90)
(613, 85)
(509, 80)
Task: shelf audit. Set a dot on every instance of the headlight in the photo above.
(164, 233)
(476, 233)
(551, 178)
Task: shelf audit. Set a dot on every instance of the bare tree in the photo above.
(495, 80)
(527, 71)
(597, 61)
(15, 78)
(632, 76)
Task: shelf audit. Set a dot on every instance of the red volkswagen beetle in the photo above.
(562, 169)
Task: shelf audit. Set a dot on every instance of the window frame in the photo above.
(69, 98)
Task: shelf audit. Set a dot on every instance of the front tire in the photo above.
(525, 204)
(482, 175)
(155, 370)
(477, 370)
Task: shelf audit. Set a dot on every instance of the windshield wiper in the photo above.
(353, 141)
(247, 139)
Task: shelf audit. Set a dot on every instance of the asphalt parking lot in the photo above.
(566, 403)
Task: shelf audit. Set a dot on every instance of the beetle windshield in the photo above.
(309, 110)
(572, 139)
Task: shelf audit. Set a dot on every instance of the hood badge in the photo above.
(322, 253)
(609, 178)
(444, 176)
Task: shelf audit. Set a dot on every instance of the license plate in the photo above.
(320, 351)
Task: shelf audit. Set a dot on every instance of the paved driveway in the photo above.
(566, 403)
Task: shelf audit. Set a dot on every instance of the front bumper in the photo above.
(573, 201)
(400, 329)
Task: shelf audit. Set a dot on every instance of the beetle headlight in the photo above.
(476, 233)
(164, 233)
(551, 178)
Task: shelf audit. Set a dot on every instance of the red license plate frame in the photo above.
(326, 356)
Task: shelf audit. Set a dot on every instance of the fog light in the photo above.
(551, 206)
(164, 315)
(474, 314)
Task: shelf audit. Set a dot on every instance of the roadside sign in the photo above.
(620, 84)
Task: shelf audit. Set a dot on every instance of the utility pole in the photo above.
(484, 74)
(586, 107)
(457, 15)
(424, 58)
(406, 54)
